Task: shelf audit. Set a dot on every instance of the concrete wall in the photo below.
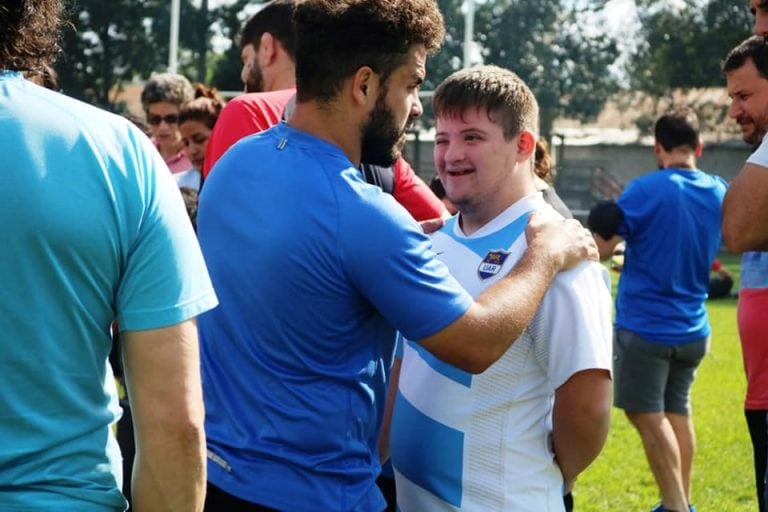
(626, 162)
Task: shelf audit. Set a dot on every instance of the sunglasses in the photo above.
(169, 119)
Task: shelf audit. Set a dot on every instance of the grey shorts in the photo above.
(650, 377)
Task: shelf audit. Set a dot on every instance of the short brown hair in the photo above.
(276, 17)
(335, 38)
(504, 96)
(751, 48)
(29, 33)
(677, 128)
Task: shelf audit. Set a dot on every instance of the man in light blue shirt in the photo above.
(95, 232)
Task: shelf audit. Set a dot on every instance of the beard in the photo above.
(382, 140)
(255, 80)
(755, 137)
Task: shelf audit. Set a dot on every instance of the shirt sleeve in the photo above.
(635, 205)
(411, 192)
(164, 280)
(572, 327)
(760, 155)
(235, 122)
(391, 262)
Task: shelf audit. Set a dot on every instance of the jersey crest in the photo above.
(492, 263)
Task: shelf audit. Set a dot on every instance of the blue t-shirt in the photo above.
(672, 228)
(314, 269)
(94, 230)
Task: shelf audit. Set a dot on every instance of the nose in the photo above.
(761, 24)
(417, 108)
(734, 110)
(453, 152)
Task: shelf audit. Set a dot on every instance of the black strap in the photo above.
(383, 177)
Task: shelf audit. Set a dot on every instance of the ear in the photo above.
(657, 149)
(526, 145)
(365, 86)
(267, 50)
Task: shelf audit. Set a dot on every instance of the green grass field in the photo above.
(723, 480)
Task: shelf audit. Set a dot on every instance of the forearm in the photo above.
(498, 316)
(169, 471)
(606, 247)
(162, 371)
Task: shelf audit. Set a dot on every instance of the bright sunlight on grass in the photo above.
(619, 480)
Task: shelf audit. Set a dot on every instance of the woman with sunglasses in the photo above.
(162, 98)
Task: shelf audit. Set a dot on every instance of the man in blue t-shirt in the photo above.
(95, 232)
(315, 269)
(670, 220)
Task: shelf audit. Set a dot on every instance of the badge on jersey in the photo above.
(492, 263)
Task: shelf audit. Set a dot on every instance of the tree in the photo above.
(545, 43)
(101, 51)
(226, 68)
(682, 45)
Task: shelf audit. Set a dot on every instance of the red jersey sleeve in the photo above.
(243, 116)
(414, 194)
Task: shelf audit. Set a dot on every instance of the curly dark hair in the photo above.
(29, 33)
(335, 38)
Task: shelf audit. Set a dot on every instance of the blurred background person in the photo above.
(162, 98)
(196, 121)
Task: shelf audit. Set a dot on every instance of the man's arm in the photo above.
(745, 210)
(162, 370)
(606, 247)
(581, 417)
(500, 314)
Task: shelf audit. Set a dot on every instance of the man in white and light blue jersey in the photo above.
(514, 437)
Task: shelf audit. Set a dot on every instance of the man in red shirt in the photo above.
(269, 77)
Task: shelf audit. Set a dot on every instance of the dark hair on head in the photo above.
(504, 96)
(44, 76)
(205, 108)
(676, 128)
(752, 48)
(276, 17)
(29, 33)
(335, 38)
(166, 87)
(542, 161)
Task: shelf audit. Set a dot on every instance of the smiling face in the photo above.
(398, 104)
(195, 136)
(749, 101)
(477, 165)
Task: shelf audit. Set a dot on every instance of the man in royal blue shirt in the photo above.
(670, 220)
(315, 269)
